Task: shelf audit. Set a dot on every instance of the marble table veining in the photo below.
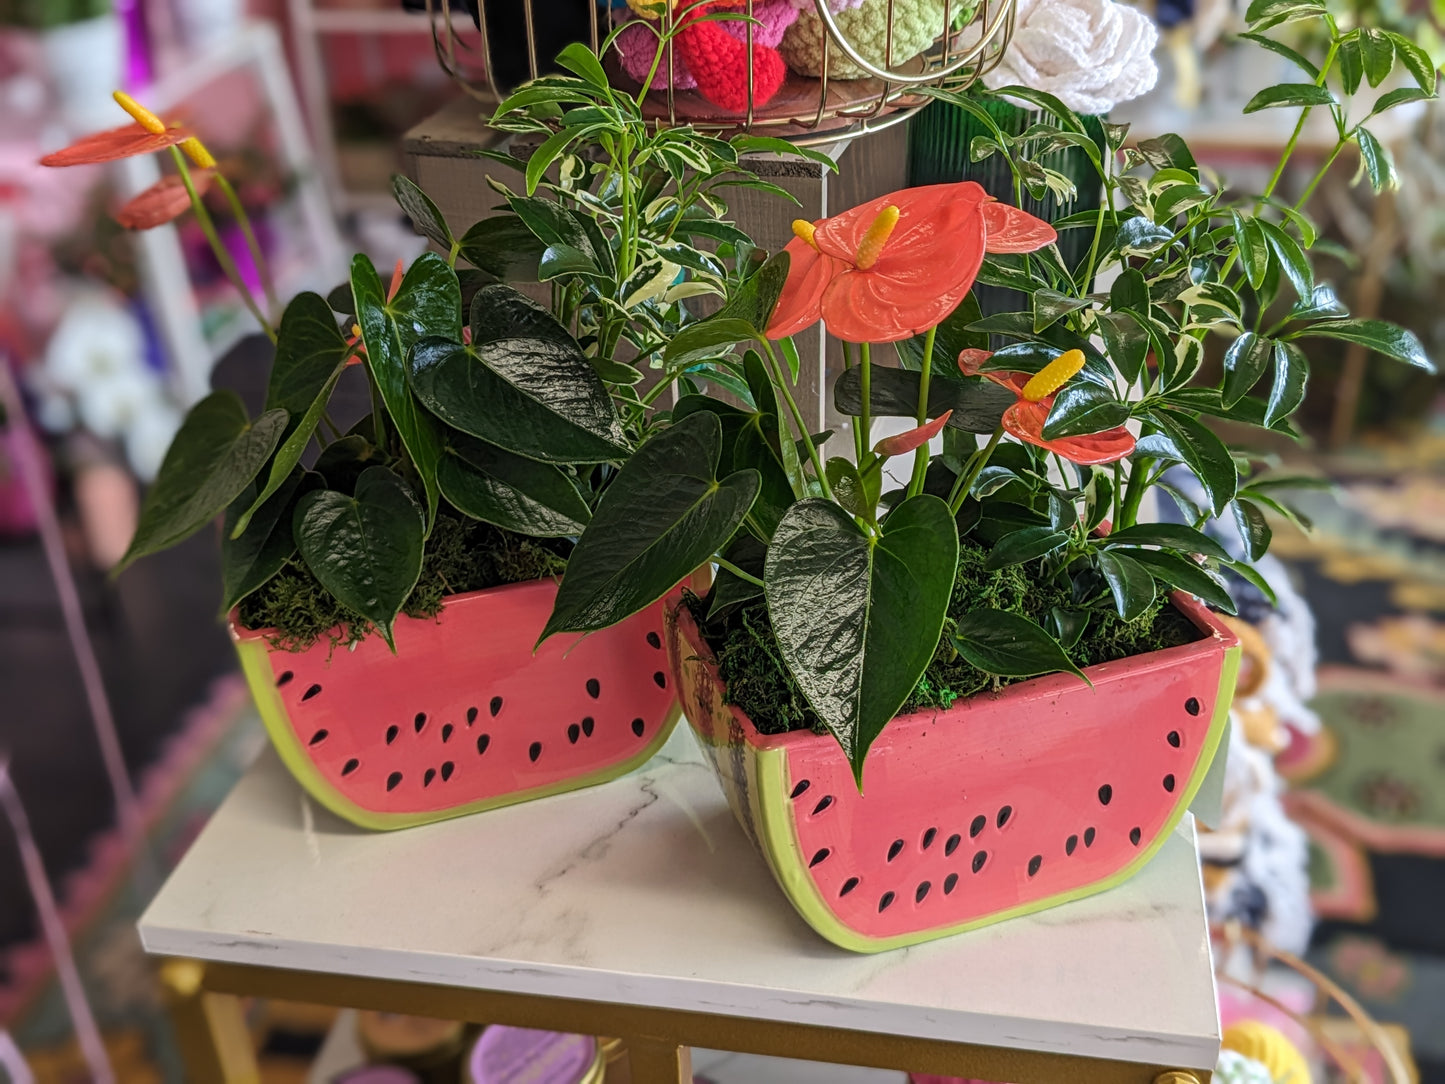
(644, 891)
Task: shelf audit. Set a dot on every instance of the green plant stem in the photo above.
(1304, 117)
(1320, 176)
(925, 376)
(1107, 203)
(780, 380)
(970, 475)
(860, 448)
(1118, 490)
(238, 209)
(865, 377)
(722, 562)
(208, 227)
(1134, 495)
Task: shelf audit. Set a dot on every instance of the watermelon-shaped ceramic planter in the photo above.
(464, 717)
(1005, 804)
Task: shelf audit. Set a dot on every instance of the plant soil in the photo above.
(758, 682)
(461, 555)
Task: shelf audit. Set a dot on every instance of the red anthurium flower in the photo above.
(897, 265)
(903, 443)
(1025, 419)
(354, 339)
(128, 141)
(163, 202)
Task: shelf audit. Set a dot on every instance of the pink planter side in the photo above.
(1002, 805)
(464, 717)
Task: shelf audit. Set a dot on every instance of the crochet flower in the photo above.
(1025, 419)
(896, 266)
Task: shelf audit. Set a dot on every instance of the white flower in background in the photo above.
(1091, 54)
(148, 438)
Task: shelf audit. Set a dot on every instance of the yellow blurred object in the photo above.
(196, 151)
(139, 113)
(1270, 1048)
(649, 9)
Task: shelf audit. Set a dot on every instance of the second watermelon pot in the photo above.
(464, 717)
(1003, 805)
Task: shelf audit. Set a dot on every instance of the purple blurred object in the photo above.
(522, 1056)
(379, 1074)
(19, 447)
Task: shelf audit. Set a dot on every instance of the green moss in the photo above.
(461, 555)
(758, 682)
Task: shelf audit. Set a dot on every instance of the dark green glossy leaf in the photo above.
(428, 302)
(1130, 293)
(1281, 49)
(665, 514)
(267, 544)
(1205, 454)
(1169, 535)
(365, 549)
(1168, 151)
(1003, 643)
(1322, 304)
(706, 339)
(340, 300)
(215, 455)
(1378, 53)
(977, 405)
(1417, 61)
(858, 618)
(537, 398)
(1289, 95)
(1352, 64)
(992, 479)
(559, 260)
(1244, 363)
(550, 223)
(504, 248)
(1140, 237)
(1025, 545)
(1126, 342)
(342, 461)
(1292, 260)
(1291, 374)
(1379, 162)
(1084, 408)
(1186, 575)
(1254, 529)
(1177, 199)
(1131, 584)
(424, 215)
(730, 591)
(1380, 335)
(1050, 306)
(1252, 247)
(500, 312)
(1261, 10)
(1398, 96)
(510, 491)
(858, 493)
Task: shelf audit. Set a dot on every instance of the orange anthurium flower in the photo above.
(163, 202)
(896, 266)
(903, 443)
(354, 339)
(1025, 419)
(127, 141)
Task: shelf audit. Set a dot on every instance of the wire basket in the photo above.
(509, 41)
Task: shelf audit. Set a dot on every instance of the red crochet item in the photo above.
(717, 61)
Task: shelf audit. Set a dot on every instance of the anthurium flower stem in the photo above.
(975, 466)
(722, 562)
(920, 455)
(253, 246)
(1134, 494)
(208, 227)
(865, 419)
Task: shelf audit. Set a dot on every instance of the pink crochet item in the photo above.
(637, 44)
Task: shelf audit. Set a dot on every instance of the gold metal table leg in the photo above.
(658, 1061)
(211, 1030)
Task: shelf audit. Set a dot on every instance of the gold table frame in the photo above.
(205, 1000)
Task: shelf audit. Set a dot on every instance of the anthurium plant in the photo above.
(1018, 548)
(497, 420)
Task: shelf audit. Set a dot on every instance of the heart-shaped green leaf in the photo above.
(1129, 582)
(664, 514)
(428, 302)
(367, 549)
(858, 618)
(504, 248)
(418, 207)
(534, 397)
(1006, 644)
(215, 455)
(248, 561)
(500, 312)
(510, 491)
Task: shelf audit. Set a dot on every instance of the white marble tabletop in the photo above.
(644, 891)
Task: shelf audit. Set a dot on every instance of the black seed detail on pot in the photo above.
(978, 860)
(820, 856)
(1034, 863)
(447, 729)
(1004, 814)
(895, 849)
(319, 737)
(534, 751)
(928, 838)
(1071, 844)
(1088, 837)
(1174, 739)
(950, 883)
(638, 726)
(573, 733)
(922, 891)
(309, 693)
(420, 721)
(471, 716)
(594, 688)
(1106, 794)
(430, 774)
(885, 902)
(391, 733)
(1192, 705)
(848, 886)
(1135, 835)
(823, 803)
(588, 725)
(654, 640)
(483, 740)
(393, 780)
(495, 706)
(1169, 783)
(447, 768)
(980, 822)
(952, 845)
(801, 786)
(286, 675)
(350, 766)
(661, 679)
